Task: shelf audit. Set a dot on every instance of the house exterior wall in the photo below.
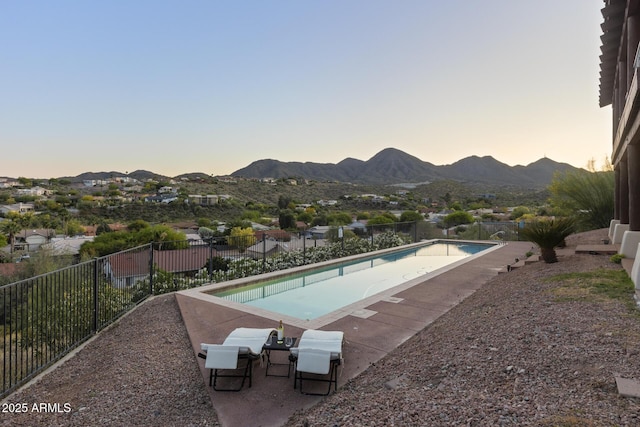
(619, 88)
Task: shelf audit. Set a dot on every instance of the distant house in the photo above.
(90, 230)
(5, 183)
(31, 240)
(126, 269)
(34, 191)
(301, 225)
(267, 248)
(94, 182)
(227, 179)
(17, 208)
(482, 211)
(273, 235)
(66, 245)
(162, 198)
(203, 200)
(318, 232)
(357, 227)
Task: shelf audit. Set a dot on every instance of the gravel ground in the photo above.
(139, 372)
(522, 351)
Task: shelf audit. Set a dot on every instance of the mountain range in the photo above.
(393, 166)
(389, 166)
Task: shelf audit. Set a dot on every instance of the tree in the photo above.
(589, 196)
(73, 228)
(333, 234)
(116, 241)
(380, 219)
(283, 202)
(25, 182)
(137, 225)
(339, 218)
(321, 219)
(446, 199)
(206, 233)
(11, 228)
(24, 220)
(411, 216)
(457, 218)
(163, 234)
(547, 234)
(242, 238)
(286, 219)
(305, 217)
(203, 222)
(519, 212)
(103, 227)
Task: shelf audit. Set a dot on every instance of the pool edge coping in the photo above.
(358, 308)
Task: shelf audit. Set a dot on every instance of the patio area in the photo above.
(370, 333)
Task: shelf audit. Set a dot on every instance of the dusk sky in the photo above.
(210, 86)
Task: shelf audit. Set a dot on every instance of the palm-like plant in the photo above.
(11, 228)
(547, 234)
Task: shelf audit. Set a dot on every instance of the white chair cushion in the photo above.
(221, 356)
(313, 361)
(321, 340)
(250, 340)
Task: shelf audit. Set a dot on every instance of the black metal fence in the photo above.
(45, 317)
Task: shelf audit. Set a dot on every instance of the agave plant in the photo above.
(547, 234)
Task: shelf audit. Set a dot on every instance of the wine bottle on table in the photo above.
(280, 332)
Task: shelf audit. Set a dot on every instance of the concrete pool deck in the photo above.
(370, 332)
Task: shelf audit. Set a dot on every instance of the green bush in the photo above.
(617, 258)
(547, 234)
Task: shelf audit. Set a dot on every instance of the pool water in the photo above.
(312, 294)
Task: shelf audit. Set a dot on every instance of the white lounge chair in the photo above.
(318, 354)
(241, 344)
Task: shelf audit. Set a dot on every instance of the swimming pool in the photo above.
(310, 294)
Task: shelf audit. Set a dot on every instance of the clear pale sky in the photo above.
(210, 86)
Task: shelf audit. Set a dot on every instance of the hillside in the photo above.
(392, 166)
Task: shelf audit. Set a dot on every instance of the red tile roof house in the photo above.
(277, 234)
(125, 269)
(10, 269)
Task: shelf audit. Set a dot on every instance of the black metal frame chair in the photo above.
(222, 359)
(222, 364)
(311, 364)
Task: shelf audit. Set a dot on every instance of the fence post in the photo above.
(264, 251)
(151, 269)
(304, 249)
(210, 258)
(96, 302)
